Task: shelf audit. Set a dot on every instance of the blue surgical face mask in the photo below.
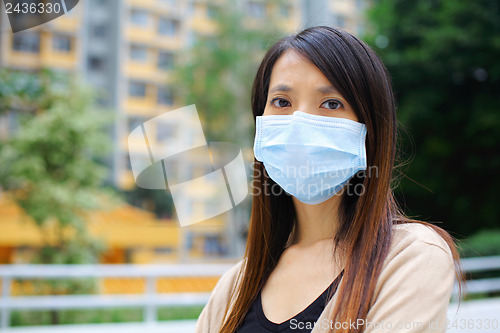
(311, 157)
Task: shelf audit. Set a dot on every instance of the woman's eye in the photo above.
(280, 103)
(332, 104)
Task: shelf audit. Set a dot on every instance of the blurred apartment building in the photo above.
(126, 49)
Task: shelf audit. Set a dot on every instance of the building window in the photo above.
(256, 9)
(165, 60)
(26, 42)
(167, 27)
(189, 238)
(61, 43)
(99, 30)
(138, 53)
(95, 63)
(134, 122)
(137, 89)
(165, 96)
(139, 17)
(212, 245)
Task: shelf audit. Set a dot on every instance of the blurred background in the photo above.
(72, 89)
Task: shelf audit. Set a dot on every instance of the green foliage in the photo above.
(163, 202)
(217, 72)
(180, 312)
(29, 318)
(48, 163)
(25, 318)
(22, 92)
(482, 243)
(443, 58)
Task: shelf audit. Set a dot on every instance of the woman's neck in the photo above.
(315, 222)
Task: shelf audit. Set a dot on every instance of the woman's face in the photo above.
(297, 85)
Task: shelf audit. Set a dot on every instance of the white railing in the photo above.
(151, 300)
(481, 264)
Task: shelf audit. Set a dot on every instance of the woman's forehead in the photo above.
(294, 70)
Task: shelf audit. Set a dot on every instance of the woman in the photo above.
(328, 249)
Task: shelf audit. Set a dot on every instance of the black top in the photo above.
(255, 320)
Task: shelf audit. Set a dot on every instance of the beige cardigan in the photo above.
(412, 293)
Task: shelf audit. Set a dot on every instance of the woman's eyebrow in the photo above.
(327, 90)
(323, 89)
(280, 87)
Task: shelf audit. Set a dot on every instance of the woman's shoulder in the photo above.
(418, 256)
(417, 237)
(416, 280)
(417, 253)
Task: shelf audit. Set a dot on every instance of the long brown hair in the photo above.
(366, 218)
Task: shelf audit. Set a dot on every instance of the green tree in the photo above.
(48, 168)
(48, 164)
(443, 58)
